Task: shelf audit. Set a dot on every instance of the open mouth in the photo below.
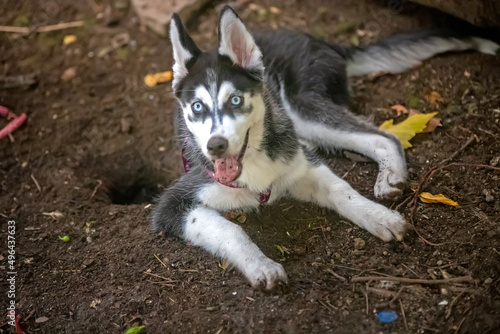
(229, 168)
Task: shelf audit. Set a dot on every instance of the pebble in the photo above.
(68, 74)
(359, 243)
(488, 281)
(439, 263)
(495, 161)
(41, 320)
(488, 194)
(126, 125)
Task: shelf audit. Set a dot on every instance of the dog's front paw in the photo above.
(389, 184)
(385, 224)
(264, 272)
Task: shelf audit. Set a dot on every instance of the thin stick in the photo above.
(463, 147)
(403, 314)
(53, 27)
(60, 26)
(366, 298)
(95, 189)
(396, 296)
(160, 260)
(328, 270)
(413, 280)
(448, 313)
(36, 183)
(350, 169)
(460, 325)
(19, 30)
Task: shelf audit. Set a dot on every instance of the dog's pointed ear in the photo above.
(236, 42)
(183, 48)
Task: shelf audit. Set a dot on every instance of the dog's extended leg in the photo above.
(322, 186)
(208, 229)
(179, 212)
(335, 127)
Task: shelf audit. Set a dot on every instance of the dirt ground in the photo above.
(97, 149)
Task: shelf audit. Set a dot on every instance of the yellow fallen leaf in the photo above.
(408, 128)
(224, 265)
(152, 79)
(433, 123)
(68, 39)
(440, 198)
(435, 98)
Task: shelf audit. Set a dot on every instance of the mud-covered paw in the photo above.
(390, 184)
(265, 273)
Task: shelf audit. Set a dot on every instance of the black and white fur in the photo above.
(294, 91)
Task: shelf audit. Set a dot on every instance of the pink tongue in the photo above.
(227, 169)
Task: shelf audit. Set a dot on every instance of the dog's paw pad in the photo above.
(265, 273)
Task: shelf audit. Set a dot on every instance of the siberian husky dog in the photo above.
(251, 114)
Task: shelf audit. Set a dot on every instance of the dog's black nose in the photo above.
(217, 145)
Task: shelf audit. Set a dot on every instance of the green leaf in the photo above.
(134, 330)
(65, 238)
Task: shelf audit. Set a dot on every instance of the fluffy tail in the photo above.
(401, 52)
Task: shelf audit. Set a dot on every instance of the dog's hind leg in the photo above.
(332, 127)
(322, 186)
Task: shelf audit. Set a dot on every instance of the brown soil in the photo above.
(101, 145)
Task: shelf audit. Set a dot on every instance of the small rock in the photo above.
(443, 303)
(440, 263)
(495, 161)
(359, 243)
(68, 74)
(41, 320)
(299, 250)
(126, 125)
(444, 291)
(488, 281)
(242, 218)
(488, 194)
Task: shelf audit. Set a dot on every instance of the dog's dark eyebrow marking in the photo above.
(193, 221)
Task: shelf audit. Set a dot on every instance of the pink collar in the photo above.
(263, 196)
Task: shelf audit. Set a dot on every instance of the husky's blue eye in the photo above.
(197, 107)
(236, 100)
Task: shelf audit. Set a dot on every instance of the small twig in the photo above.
(413, 280)
(403, 314)
(60, 26)
(448, 312)
(160, 260)
(36, 182)
(53, 27)
(463, 147)
(349, 170)
(164, 278)
(19, 30)
(328, 270)
(366, 299)
(396, 296)
(189, 270)
(460, 325)
(326, 306)
(96, 188)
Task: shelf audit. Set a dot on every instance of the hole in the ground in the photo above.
(141, 191)
(127, 178)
